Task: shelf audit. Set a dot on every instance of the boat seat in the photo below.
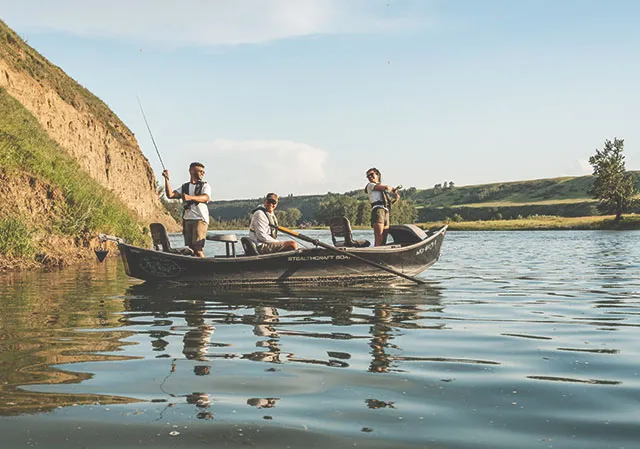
(249, 246)
(341, 234)
(161, 241)
(229, 240)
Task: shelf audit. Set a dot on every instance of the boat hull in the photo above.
(303, 266)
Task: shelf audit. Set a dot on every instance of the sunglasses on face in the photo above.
(370, 175)
(272, 201)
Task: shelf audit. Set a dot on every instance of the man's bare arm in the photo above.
(171, 194)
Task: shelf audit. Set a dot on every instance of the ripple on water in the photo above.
(521, 339)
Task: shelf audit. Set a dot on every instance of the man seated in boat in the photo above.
(263, 228)
(195, 195)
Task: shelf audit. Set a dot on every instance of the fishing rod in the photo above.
(150, 133)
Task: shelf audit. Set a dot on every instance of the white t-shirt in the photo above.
(198, 211)
(374, 195)
(260, 224)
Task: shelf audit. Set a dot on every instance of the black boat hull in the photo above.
(303, 266)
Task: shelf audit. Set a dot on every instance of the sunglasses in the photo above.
(370, 175)
(272, 201)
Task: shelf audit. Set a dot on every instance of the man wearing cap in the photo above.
(195, 195)
(263, 228)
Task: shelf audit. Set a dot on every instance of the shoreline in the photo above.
(629, 222)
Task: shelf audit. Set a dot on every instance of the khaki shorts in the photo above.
(195, 233)
(272, 247)
(380, 215)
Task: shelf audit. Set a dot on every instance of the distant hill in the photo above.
(565, 196)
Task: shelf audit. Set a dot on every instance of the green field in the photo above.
(631, 221)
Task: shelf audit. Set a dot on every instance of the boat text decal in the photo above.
(424, 249)
(159, 267)
(326, 257)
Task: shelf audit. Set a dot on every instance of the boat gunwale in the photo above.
(360, 251)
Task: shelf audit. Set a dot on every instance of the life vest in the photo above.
(385, 202)
(273, 221)
(185, 191)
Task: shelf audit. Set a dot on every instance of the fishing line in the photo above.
(150, 133)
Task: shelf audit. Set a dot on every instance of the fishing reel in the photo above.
(393, 195)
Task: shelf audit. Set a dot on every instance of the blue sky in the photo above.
(301, 96)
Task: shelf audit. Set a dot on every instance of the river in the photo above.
(518, 340)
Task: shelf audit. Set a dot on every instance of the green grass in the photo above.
(16, 238)
(88, 207)
(629, 222)
(22, 57)
(523, 192)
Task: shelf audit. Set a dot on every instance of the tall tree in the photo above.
(403, 212)
(613, 186)
(335, 206)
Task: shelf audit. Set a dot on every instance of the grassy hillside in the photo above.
(564, 197)
(22, 57)
(46, 194)
(565, 189)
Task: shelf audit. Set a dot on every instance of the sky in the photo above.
(303, 96)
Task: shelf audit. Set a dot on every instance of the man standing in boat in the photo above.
(380, 204)
(263, 228)
(195, 195)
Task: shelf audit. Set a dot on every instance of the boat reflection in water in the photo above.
(274, 325)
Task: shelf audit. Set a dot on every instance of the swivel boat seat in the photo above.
(161, 241)
(341, 234)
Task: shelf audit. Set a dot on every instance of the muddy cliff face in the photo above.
(101, 144)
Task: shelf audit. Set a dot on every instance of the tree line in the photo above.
(612, 185)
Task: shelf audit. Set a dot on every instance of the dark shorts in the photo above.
(380, 215)
(195, 233)
(273, 247)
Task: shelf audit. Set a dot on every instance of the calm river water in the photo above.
(519, 340)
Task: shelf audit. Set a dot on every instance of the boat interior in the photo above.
(341, 236)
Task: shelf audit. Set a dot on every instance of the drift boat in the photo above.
(411, 252)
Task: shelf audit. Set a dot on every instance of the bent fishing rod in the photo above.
(150, 133)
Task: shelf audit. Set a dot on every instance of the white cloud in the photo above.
(578, 167)
(203, 22)
(585, 166)
(251, 168)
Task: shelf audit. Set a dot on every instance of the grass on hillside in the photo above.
(15, 237)
(512, 192)
(22, 57)
(629, 222)
(531, 203)
(88, 207)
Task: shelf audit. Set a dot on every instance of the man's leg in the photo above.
(199, 237)
(385, 225)
(378, 234)
(377, 223)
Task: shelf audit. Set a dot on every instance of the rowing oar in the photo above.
(317, 242)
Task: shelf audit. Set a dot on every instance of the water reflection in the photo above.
(518, 344)
(279, 314)
(275, 326)
(39, 315)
